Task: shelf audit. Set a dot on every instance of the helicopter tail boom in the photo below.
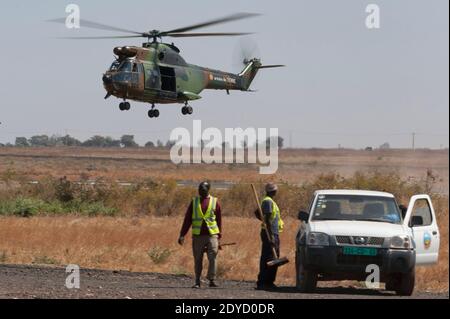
(218, 80)
(251, 70)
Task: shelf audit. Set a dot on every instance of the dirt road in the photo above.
(39, 282)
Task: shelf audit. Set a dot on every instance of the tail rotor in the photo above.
(245, 51)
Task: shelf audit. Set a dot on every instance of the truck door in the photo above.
(421, 219)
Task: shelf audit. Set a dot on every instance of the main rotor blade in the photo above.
(100, 38)
(188, 35)
(95, 25)
(233, 17)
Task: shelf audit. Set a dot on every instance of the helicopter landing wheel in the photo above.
(124, 106)
(187, 110)
(153, 113)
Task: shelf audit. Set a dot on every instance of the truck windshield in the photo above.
(357, 207)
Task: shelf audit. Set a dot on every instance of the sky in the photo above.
(344, 84)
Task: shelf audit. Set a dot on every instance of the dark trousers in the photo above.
(267, 275)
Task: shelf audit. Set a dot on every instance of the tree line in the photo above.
(126, 141)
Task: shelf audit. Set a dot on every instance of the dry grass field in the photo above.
(138, 238)
(296, 166)
(149, 245)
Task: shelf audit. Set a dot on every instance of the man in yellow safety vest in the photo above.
(205, 217)
(274, 224)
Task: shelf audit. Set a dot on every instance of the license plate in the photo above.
(360, 251)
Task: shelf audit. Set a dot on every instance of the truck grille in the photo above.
(360, 240)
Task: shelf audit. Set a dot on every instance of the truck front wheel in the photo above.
(306, 279)
(404, 285)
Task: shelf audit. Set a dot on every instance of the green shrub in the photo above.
(159, 255)
(3, 257)
(165, 198)
(44, 260)
(26, 207)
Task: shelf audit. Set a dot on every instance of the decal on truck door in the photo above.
(427, 240)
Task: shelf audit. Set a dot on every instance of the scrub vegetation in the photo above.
(101, 217)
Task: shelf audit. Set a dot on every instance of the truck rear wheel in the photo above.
(306, 279)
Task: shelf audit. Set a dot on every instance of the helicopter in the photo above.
(156, 73)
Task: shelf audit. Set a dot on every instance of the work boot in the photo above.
(197, 285)
(212, 284)
(271, 286)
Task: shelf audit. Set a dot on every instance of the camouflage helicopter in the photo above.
(156, 73)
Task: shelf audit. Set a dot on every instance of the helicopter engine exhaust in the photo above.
(125, 52)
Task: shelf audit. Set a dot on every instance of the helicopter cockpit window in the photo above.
(114, 66)
(125, 67)
(161, 56)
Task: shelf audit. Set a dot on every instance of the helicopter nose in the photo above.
(107, 79)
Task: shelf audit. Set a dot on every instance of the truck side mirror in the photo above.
(303, 216)
(416, 221)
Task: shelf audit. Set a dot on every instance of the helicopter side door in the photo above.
(168, 79)
(152, 77)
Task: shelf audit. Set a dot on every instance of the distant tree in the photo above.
(2, 145)
(128, 141)
(170, 144)
(95, 141)
(40, 141)
(110, 142)
(101, 141)
(69, 141)
(385, 146)
(21, 142)
(159, 144)
(55, 140)
(150, 144)
(273, 140)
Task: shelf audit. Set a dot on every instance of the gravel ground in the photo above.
(43, 282)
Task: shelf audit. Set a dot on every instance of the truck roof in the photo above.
(353, 192)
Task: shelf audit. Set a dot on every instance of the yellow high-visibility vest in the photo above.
(209, 217)
(276, 214)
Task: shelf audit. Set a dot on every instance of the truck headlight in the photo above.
(400, 242)
(318, 239)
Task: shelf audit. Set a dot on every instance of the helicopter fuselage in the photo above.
(156, 73)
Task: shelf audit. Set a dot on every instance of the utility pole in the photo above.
(413, 141)
(290, 139)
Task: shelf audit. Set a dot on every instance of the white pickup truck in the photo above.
(347, 230)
